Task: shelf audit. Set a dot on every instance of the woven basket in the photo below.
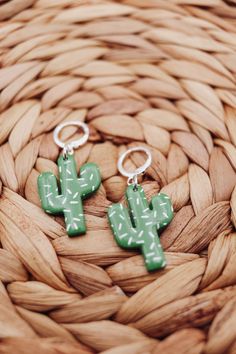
(154, 73)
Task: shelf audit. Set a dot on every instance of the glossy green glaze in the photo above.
(139, 228)
(73, 190)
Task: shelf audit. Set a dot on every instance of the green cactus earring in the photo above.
(138, 227)
(68, 200)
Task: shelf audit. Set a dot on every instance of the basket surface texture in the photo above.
(154, 73)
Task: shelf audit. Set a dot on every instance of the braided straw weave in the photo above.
(156, 73)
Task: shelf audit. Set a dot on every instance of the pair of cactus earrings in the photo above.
(136, 227)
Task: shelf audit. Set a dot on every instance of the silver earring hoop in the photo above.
(133, 176)
(69, 147)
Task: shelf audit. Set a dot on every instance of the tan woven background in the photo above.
(154, 72)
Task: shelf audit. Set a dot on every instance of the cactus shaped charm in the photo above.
(72, 191)
(139, 229)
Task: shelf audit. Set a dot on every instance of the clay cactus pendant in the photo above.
(139, 229)
(73, 190)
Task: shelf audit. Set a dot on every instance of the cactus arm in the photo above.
(121, 226)
(89, 180)
(50, 199)
(162, 210)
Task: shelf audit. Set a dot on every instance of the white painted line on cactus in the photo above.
(91, 177)
(121, 206)
(140, 234)
(121, 216)
(148, 223)
(68, 171)
(145, 210)
(152, 246)
(50, 203)
(155, 213)
(66, 210)
(47, 186)
(112, 213)
(68, 227)
(162, 204)
(120, 226)
(160, 246)
(84, 185)
(75, 195)
(130, 240)
(140, 242)
(144, 216)
(93, 188)
(60, 169)
(157, 258)
(68, 191)
(76, 219)
(48, 195)
(83, 172)
(165, 214)
(137, 201)
(150, 254)
(74, 202)
(151, 234)
(64, 200)
(69, 179)
(123, 235)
